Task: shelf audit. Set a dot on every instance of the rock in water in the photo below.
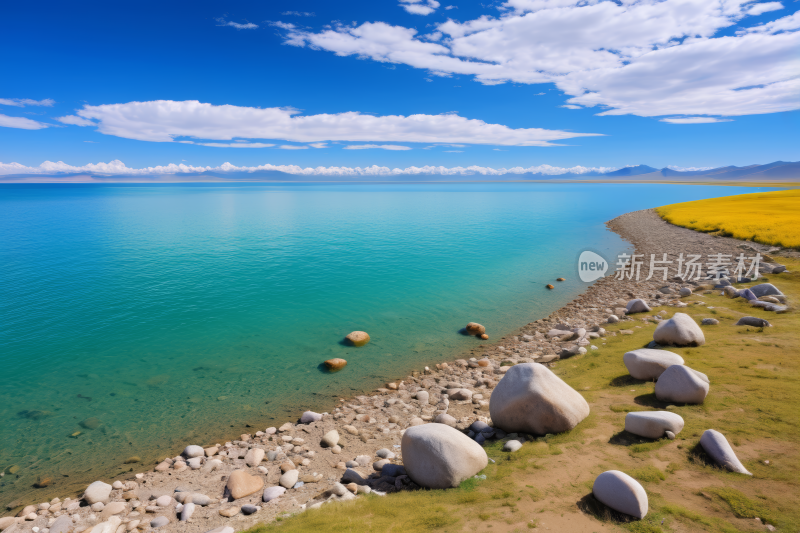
(358, 338)
(270, 493)
(765, 289)
(335, 364)
(97, 492)
(681, 384)
(716, 446)
(753, 321)
(680, 330)
(550, 286)
(241, 484)
(532, 399)
(647, 364)
(653, 424)
(437, 456)
(254, 457)
(310, 416)
(621, 492)
(637, 306)
(473, 328)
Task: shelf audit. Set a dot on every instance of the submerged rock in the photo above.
(473, 328)
(335, 364)
(358, 338)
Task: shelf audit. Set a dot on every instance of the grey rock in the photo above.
(460, 394)
(653, 424)
(193, 451)
(438, 456)
(621, 492)
(748, 295)
(384, 453)
(637, 306)
(62, 524)
(753, 321)
(670, 435)
(271, 493)
(159, 521)
(647, 364)
(201, 499)
(164, 501)
(195, 463)
(249, 509)
(310, 416)
(680, 330)
(351, 476)
(716, 446)
(710, 322)
(480, 427)
(423, 397)
(393, 470)
(221, 529)
(681, 384)
(445, 419)
(765, 289)
(685, 291)
(532, 399)
(378, 465)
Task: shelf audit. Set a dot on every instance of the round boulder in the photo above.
(710, 322)
(637, 306)
(358, 338)
(335, 364)
(681, 384)
(685, 291)
(473, 328)
(193, 451)
(532, 399)
(753, 321)
(680, 330)
(717, 447)
(647, 364)
(653, 424)
(621, 492)
(97, 492)
(437, 456)
(765, 289)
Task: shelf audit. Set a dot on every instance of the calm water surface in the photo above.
(162, 315)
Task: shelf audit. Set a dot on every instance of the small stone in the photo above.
(289, 479)
(670, 435)
(485, 336)
(254, 457)
(378, 465)
(159, 521)
(352, 487)
(164, 501)
(271, 493)
(512, 446)
(717, 447)
(193, 451)
(241, 484)
(710, 322)
(229, 511)
(186, 512)
(653, 424)
(310, 416)
(249, 509)
(330, 439)
(753, 321)
(97, 492)
(473, 328)
(384, 453)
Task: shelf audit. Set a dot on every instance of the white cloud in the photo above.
(298, 13)
(117, 167)
(168, 121)
(21, 123)
(419, 7)
(764, 7)
(318, 145)
(22, 102)
(380, 146)
(238, 26)
(448, 8)
(292, 147)
(237, 144)
(688, 169)
(75, 121)
(572, 106)
(694, 120)
(636, 57)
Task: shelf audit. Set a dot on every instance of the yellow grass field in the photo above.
(765, 217)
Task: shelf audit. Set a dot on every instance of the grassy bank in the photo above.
(765, 217)
(754, 399)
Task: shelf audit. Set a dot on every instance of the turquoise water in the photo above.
(177, 314)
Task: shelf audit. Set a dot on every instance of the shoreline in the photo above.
(371, 414)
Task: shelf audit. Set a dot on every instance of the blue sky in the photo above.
(400, 84)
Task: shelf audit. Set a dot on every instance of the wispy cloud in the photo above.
(318, 145)
(22, 123)
(238, 26)
(170, 121)
(379, 146)
(419, 7)
(292, 147)
(695, 120)
(22, 102)
(298, 13)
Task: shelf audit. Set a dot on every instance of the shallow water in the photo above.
(166, 314)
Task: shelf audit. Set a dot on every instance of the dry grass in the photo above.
(765, 217)
(754, 398)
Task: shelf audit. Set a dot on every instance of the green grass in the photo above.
(755, 407)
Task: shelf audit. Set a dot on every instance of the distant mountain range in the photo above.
(779, 171)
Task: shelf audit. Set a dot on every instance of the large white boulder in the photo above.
(716, 446)
(681, 384)
(680, 330)
(637, 306)
(653, 424)
(532, 399)
(97, 492)
(438, 457)
(647, 364)
(621, 492)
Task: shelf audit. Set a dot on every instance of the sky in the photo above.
(541, 85)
